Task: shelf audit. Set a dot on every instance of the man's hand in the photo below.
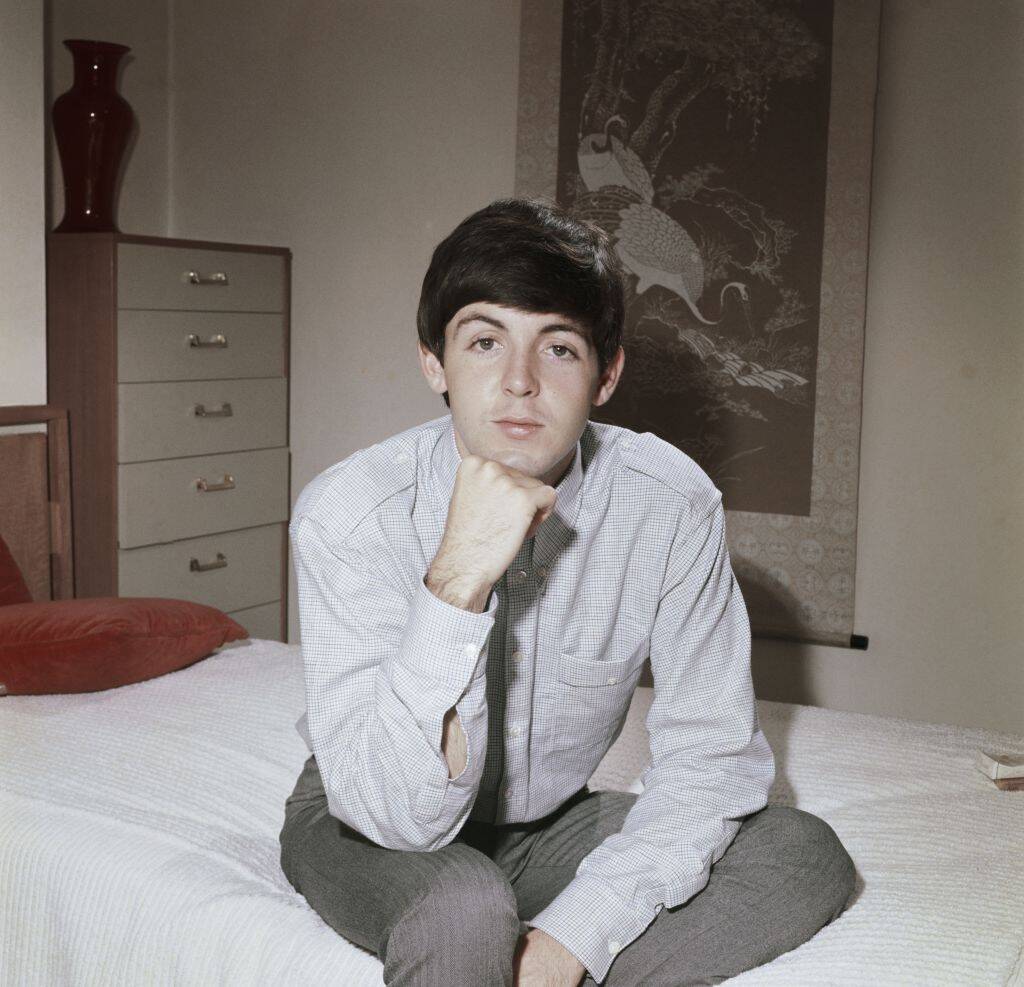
(493, 510)
(542, 961)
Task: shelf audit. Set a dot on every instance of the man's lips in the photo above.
(519, 430)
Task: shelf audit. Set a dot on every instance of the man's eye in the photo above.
(569, 355)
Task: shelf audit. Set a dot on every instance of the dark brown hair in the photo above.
(530, 255)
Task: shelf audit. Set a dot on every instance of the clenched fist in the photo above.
(493, 510)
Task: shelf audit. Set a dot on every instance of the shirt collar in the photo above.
(446, 459)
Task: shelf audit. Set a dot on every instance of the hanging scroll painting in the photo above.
(725, 145)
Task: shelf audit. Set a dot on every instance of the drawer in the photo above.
(156, 345)
(261, 622)
(162, 420)
(247, 573)
(168, 499)
(151, 276)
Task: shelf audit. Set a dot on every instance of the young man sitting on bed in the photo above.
(477, 601)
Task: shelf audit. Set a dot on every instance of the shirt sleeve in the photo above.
(711, 765)
(382, 665)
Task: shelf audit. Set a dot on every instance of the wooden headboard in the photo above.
(35, 499)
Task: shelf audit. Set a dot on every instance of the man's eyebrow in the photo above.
(551, 327)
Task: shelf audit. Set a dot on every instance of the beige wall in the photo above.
(359, 133)
(22, 193)
(940, 543)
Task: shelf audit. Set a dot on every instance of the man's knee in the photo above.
(464, 925)
(824, 861)
(464, 905)
(290, 839)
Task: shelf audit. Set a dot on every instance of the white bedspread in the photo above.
(138, 838)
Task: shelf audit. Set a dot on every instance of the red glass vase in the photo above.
(92, 123)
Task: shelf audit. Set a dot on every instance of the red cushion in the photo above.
(101, 642)
(12, 584)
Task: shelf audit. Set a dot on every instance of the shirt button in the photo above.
(521, 574)
(612, 680)
(517, 655)
(515, 731)
(543, 570)
(614, 946)
(472, 650)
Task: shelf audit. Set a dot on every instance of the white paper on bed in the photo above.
(139, 827)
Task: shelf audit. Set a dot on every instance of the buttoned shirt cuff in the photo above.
(593, 923)
(441, 662)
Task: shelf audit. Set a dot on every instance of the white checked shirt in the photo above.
(632, 563)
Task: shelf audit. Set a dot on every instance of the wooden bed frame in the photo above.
(35, 499)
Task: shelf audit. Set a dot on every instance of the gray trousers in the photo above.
(452, 917)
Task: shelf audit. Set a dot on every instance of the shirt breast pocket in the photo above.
(591, 694)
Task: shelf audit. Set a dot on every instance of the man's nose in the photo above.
(520, 375)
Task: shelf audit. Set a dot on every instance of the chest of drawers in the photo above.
(172, 359)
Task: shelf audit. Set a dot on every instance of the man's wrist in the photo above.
(465, 592)
(539, 954)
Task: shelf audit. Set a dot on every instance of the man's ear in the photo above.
(432, 368)
(609, 380)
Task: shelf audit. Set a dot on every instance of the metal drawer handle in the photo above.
(228, 483)
(194, 277)
(223, 412)
(196, 566)
(217, 341)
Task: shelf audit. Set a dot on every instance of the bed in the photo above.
(139, 826)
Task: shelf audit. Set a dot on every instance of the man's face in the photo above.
(502, 362)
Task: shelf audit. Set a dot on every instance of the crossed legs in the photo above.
(452, 917)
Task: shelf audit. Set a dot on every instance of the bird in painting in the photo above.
(604, 160)
(659, 251)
